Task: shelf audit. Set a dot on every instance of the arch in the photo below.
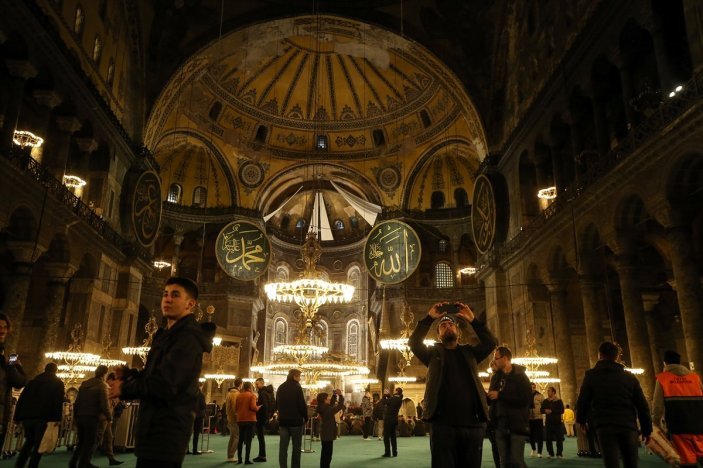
(590, 247)
(354, 279)
(23, 224)
(630, 213)
(200, 196)
(59, 249)
(280, 332)
(582, 125)
(79, 21)
(437, 200)
(671, 20)
(640, 64)
(461, 198)
(443, 275)
(322, 332)
(282, 273)
(215, 111)
(353, 341)
(88, 267)
(557, 261)
(607, 92)
(175, 193)
(97, 49)
(339, 225)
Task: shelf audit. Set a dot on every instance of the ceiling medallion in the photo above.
(388, 178)
(251, 174)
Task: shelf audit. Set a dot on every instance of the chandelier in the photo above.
(75, 362)
(219, 357)
(161, 264)
(24, 138)
(549, 193)
(150, 328)
(310, 292)
(533, 363)
(402, 345)
(72, 181)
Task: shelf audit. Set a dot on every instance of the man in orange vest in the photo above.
(678, 398)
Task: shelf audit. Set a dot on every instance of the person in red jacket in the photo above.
(678, 399)
(246, 409)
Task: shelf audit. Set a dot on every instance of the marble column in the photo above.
(177, 241)
(688, 291)
(654, 328)
(593, 298)
(59, 273)
(24, 254)
(565, 353)
(20, 71)
(47, 99)
(635, 323)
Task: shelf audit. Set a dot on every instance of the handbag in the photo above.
(660, 446)
(50, 438)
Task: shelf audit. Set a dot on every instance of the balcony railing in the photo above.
(63, 195)
(599, 165)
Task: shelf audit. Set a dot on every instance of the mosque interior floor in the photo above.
(349, 452)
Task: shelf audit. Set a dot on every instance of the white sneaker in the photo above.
(232, 460)
(533, 454)
(539, 455)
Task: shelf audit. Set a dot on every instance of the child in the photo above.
(328, 427)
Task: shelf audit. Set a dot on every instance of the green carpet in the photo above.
(349, 452)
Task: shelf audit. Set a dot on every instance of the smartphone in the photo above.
(12, 359)
(452, 308)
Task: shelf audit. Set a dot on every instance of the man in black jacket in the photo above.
(614, 399)
(91, 407)
(455, 404)
(167, 387)
(553, 408)
(390, 422)
(292, 416)
(40, 403)
(512, 394)
(268, 405)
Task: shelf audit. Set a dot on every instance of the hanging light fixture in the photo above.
(311, 291)
(549, 193)
(75, 361)
(161, 264)
(150, 328)
(24, 138)
(73, 181)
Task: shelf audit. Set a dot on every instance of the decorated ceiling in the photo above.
(271, 108)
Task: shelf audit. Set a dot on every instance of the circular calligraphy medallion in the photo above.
(392, 252)
(389, 178)
(243, 251)
(251, 174)
(483, 214)
(146, 208)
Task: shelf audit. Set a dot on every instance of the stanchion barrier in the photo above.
(205, 433)
(125, 430)
(308, 431)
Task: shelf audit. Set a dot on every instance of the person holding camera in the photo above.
(326, 408)
(458, 424)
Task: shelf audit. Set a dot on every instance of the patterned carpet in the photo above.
(349, 452)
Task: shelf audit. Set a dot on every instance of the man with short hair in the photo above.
(512, 396)
(553, 408)
(267, 402)
(167, 387)
(455, 399)
(614, 399)
(292, 416)
(390, 423)
(678, 399)
(231, 413)
(89, 410)
(536, 423)
(40, 404)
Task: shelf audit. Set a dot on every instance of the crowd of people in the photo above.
(456, 411)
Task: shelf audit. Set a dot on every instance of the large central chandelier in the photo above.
(311, 291)
(533, 363)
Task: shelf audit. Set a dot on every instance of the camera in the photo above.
(12, 359)
(451, 308)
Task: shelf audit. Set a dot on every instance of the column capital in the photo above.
(87, 144)
(25, 251)
(650, 299)
(22, 69)
(68, 124)
(59, 272)
(47, 98)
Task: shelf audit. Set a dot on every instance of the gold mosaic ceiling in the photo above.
(259, 100)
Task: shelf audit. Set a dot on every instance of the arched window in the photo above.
(339, 225)
(174, 193)
(79, 21)
(261, 134)
(282, 273)
(110, 73)
(300, 224)
(437, 200)
(215, 111)
(280, 336)
(461, 199)
(425, 117)
(354, 221)
(97, 49)
(200, 197)
(354, 279)
(353, 339)
(443, 275)
(321, 143)
(379, 138)
(322, 334)
(443, 245)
